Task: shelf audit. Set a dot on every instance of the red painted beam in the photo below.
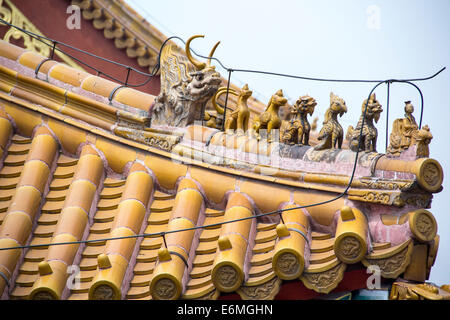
(296, 290)
(53, 25)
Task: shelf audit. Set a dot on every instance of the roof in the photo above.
(67, 174)
(81, 201)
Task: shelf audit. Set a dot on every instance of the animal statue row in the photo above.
(187, 85)
(296, 130)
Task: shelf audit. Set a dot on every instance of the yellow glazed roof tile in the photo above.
(144, 268)
(159, 218)
(153, 229)
(138, 292)
(196, 283)
(321, 257)
(101, 227)
(56, 195)
(83, 288)
(60, 183)
(388, 251)
(97, 239)
(206, 247)
(19, 148)
(79, 296)
(151, 244)
(35, 255)
(203, 260)
(257, 280)
(320, 236)
(200, 272)
(110, 182)
(209, 235)
(66, 161)
(45, 230)
(149, 255)
(87, 275)
(10, 172)
(198, 292)
(92, 251)
(381, 246)
(261, 258)
(41, 242)
(319, 267)
(105, 215)
(265, 236)
(29, 267)
(10, 51)
(264, 247)
(322, 245)
(88, 264)
(141, 280)
(261, 270)
(158, 195)
(48, 218)
(26, 280)
(52, 207)
(20, 292)
(162, 205)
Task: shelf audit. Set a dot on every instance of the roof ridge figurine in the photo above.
(332, 134)
(297, 128)
(270, 119)
(237, 120)
(369, 134)
(406, 133)
(186, 87)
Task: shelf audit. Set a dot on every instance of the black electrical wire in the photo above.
(54, 42)
(162, 234)
(387, 112)
(53, 46)
(226, 100)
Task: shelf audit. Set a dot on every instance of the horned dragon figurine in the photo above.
(186, 87)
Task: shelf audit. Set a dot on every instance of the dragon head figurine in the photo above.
(337, 105)
(305, 105)
(205, 80)
(374, 108)
(277, 99)
(186, 86)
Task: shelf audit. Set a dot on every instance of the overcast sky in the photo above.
(332, 39)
